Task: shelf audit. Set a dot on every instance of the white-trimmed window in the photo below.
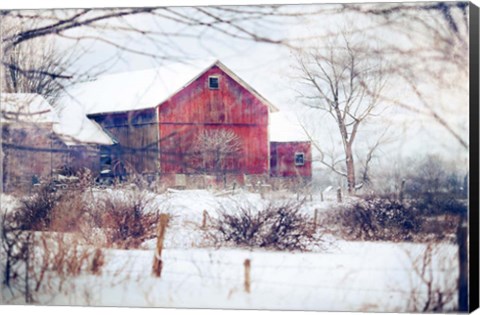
(213, 82)
(299, 158)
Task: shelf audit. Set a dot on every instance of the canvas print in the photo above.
(280, 157)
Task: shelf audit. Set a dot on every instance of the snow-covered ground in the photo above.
(340, 276)
(351, 277)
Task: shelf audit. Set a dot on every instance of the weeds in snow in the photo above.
(432, 287)
(41, 263)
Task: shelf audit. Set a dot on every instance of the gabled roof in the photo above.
(146, 88)
(26, 108)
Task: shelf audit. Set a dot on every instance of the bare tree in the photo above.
(432, 50)
(34, 66)
(339, 80)
(216, 149)
(371, 153)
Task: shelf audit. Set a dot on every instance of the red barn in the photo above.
(182, 121)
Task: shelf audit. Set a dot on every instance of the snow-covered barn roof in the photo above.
(145, 88)
(283, 127)
(26, 107)
(69, 125)
(76, 129)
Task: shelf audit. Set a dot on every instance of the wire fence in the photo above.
(210, 270)
(299, 266)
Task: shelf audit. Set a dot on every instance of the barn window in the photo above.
(213, 83)
(299, 159)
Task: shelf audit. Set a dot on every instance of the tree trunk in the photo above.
(350, 169)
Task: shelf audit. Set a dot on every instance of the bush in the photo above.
(121, 220)
(377, 219)
(277, 226)
(438, 204)
(125, 219)
(70, 213)
(35, 212)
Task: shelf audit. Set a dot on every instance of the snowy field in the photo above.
(353, 277)
(337, 276)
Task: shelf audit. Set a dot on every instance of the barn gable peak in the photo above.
(235, 77)
(247, 86)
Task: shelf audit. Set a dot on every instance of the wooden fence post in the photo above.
(97, 262)
(29, 243)
(402, 188)
(339, 195)
(462, 242)
(315, 219)
(247, 265)
(204, 219)
(157, 260)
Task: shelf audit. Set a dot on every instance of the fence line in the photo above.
(291, 285)
(298, 267)
(272, 266)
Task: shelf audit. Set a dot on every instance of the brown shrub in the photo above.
(279, 226)
(70, 213)
(35, 211)
(122, 219)
(126, 219)
(375, 219)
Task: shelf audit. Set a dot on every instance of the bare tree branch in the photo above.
(335, 80)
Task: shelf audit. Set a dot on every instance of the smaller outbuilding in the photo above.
(35, 145)
(290, 149)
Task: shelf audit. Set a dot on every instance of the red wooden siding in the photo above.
(197, 107)
(282, 159)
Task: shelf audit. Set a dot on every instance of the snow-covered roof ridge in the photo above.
(282, 127)
(26, 107)
(147, 88)
(76, 129)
